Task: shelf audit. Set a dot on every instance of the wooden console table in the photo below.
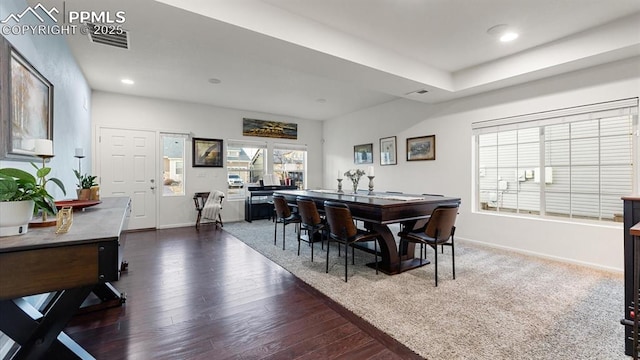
(68, 266)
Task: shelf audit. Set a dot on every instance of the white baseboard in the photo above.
(546, 256)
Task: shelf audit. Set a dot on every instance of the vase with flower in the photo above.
(354, 175)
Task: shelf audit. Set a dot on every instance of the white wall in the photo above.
(451, 173)
(51, 56)
(129, 112)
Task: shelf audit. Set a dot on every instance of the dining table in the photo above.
(378, 210)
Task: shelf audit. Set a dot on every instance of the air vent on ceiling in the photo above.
(108, 35)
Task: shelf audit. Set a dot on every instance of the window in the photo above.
(573, 163)
(173, 164)
(245, 166)
(290, 164)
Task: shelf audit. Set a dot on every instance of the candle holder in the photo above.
(339, 185)
(370, 184)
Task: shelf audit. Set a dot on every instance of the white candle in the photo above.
(43, 147)
(371, 171)
(79, 152)
(339, 175)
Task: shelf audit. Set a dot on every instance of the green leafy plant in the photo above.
(85, 181)
(19, 185)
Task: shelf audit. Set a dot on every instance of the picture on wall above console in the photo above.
(421, 148)
(388, 151)
(26, 108)
(363, 154)
(207, 152)
(272, 129)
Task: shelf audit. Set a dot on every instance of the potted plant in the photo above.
(22, 195)
(85, 183)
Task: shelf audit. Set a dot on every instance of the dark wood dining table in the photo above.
(378, 211)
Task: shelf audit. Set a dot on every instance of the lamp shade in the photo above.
(43, 147)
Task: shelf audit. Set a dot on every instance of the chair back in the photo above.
(308, 211)
(340, 221)
(442, 222)
(282, 208)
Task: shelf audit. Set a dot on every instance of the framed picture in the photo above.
(388, 151)
(26, 105)
(207, 152)
(421, 148)
(363, 154)
(272, 129)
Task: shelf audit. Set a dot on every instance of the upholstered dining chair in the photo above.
(343, 230)
(439, 230)
(311, 222)
(284, 216)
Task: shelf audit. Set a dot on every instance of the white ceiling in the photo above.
(281, 56)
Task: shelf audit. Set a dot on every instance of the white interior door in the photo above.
(127, 163)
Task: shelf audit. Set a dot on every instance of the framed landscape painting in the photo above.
(421, 148)
(388, 151)
(26, 109)
(363, 154)
(207, 152)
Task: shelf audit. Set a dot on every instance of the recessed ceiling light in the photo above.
(321, 100)
(214, 81)
(503, 32)
(127, 81)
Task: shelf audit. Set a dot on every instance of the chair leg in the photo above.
(311, 243)
(346, 257)
(198, 220)
(299, 243)
(353, 255)
(284, 228)
(275, 231)
(453, 259)
(436, 263)
(327, 264)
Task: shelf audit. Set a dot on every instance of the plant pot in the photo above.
(95, 193)
(84, 194)
(15, 217)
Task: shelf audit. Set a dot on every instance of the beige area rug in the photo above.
(502, 305)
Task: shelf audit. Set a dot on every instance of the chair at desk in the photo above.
(311, 222)
(438, 231)
(208, 205)
(342, 229)
(284, 216)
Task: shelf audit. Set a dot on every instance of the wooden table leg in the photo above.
(390, 253)
(37, 333)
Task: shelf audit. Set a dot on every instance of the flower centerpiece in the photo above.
(354, 175)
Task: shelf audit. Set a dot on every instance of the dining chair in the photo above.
(343, 230)
(284, 216)
(441, 247)
(311, 222)
(439, 230)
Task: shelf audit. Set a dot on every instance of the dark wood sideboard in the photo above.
(631, 266)
(68, 267)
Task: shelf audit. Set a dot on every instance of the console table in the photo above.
(258, 204)
(68, 266)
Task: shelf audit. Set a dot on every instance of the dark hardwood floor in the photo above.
(206, 295)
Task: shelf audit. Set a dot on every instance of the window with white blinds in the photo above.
(572, 163)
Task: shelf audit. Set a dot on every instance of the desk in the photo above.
(378, 211)
(69, 266)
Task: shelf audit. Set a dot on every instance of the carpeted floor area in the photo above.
(502, 305)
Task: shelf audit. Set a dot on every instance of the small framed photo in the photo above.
(388, 151)
(363, 154)
(421, 148)
(207, 152)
